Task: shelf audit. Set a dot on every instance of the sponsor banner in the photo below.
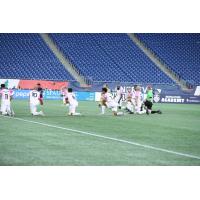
(50, 85)
(183, 99)
(10, 83)
(85, 96)
(55, 95)
(21, 94)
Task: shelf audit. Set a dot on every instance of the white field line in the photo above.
(110, 138)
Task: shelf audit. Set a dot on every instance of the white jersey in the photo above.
(72, 99)
(110, 102)
(120, 92)
(34, 97)
(6, 96)
(130, 96)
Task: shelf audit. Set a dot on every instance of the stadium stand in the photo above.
(26, 56)
(109, 57)
(180, 52)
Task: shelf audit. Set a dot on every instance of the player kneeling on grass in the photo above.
(130, 99)
(102, 104)
(109, 102)
(139, 106)
(35, 101)
(63, 94)
(119, 95)
(6, 97)
(149, 102)
(73, 103)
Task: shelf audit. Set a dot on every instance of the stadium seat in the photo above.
(109, 57)
(180, 52)
(26, 56)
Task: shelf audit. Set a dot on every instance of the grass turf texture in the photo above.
(24, 143)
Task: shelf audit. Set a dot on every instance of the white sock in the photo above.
(103, 109)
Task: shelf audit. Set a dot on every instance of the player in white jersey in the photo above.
(130, 99)
(34, 100)
(63, 93)
(118, 98)
(6, 97)
(109, 102)
(73, 103)
(138, 100)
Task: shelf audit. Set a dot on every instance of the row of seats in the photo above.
(180, 52)
(26, 56)
(109, 57)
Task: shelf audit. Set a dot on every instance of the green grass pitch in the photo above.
(50, 142)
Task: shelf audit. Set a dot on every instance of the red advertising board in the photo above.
(51, 85)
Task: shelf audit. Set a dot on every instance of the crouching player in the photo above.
(63, 94)
(119, 95)
(109, 102)
(6, 97)
(130, 99)
(70, 99)
(149, 102)
(139, 106)
(35, 101)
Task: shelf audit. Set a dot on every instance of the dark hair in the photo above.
(118, 87)
(104, 89)
(69, 89)
(3, 85)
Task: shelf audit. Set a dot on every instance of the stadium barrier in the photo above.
(55, 95)
(163, 93)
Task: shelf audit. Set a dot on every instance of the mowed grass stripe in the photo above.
(111, 139)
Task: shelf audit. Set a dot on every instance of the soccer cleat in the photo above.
(159, 112)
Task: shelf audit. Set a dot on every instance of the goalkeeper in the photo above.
(149, 102)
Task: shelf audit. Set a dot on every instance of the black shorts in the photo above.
(148, 104)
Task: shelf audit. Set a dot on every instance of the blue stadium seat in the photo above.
(109, 57)
(26, 56)
(181, 52)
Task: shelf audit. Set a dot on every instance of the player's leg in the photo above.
(114, 109)
(8, 109)
(120, 103)
(3, 109)
(103, 108)
(149, 105)
(130, 108)
(138, 107)
(34, 110)
(156, 111)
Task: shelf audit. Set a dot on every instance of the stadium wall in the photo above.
(163, 93)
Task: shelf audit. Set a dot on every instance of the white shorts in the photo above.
(118, 99)
(72, 107)
(112, 105)
(33, 108)
(5, 108)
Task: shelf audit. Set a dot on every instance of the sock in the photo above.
(103, 109)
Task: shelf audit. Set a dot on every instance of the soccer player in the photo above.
(64, 92)
(149, 102)
(73, 103)
(138, 102)
(118, 98)
(102, 104)
(35, 101)
(6, 97)
(40, 90)
(130, 99)
(109, 102)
